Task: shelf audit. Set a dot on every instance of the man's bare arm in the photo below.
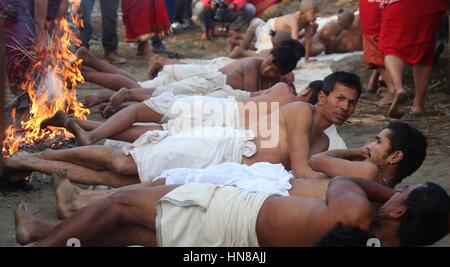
(349, 200)
(299, 122)
(64, 6)
(374, 192)
(308, 41)
(250, 70)
(339, 163)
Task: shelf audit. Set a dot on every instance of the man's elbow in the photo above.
(360, 215)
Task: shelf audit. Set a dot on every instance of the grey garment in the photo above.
(235, 19)
(109, 10)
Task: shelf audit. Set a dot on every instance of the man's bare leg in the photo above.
(157, 63)
(119, 122)
(394, 66)
(100, 65)
(372, 85)
(389, 97)
(77, 173)
(422, 76)
(96, 157)
(92, 100)
(110, 80)
(70, 198)
(128, 208)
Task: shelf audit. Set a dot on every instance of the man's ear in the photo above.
(321, 98)
(395, 157)
(398, 212)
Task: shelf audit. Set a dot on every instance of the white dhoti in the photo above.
(263, 37)
(193, 79)
(157, 151)
(260, 177)
(186, 112)
(206, 215)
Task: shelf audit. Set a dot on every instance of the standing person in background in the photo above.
(145, 20)
(408, 36)
(110, 41)
(183, 15)
(170, 8)
(370, 16)
(238, 13)
(26, 27)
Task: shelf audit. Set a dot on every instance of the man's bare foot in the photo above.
(14, 169)
(28, 228)
(155, 65)
(93, 100)
(57, 120)
(84, 54)
(66, 194)
(119, 97)
(387, 99)
(396, 110)
(418, 109)
(110, 110)
(82, 137)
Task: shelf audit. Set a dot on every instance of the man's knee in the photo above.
(124, 165)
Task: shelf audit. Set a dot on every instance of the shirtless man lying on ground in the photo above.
(294, 132)
(248, 74)
(206, 215)
(328, 37)
(196, 86)
(302, 20)
(397, 152)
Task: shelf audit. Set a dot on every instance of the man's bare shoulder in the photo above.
(298, 110)
(329, 27)
(298, 106)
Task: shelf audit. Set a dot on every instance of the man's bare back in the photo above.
(274, 144)
(264, 103)
(244, 74)
(291, 23)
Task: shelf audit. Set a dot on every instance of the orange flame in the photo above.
(51, 87)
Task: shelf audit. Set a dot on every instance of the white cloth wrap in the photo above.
(260, 177)
(157, 151)
(206, 215)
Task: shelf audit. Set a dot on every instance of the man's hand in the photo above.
(365, 151)
(310, 59)
(231, 6)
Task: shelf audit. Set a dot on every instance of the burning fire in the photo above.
(51, 86)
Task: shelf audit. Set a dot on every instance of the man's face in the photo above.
(397, 201)
(310, 14)
(345, 23)
(268, 69)
(340, 104)
(378, 150)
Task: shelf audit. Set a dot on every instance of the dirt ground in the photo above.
(361, 127)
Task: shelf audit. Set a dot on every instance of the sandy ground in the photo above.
(361, 128)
